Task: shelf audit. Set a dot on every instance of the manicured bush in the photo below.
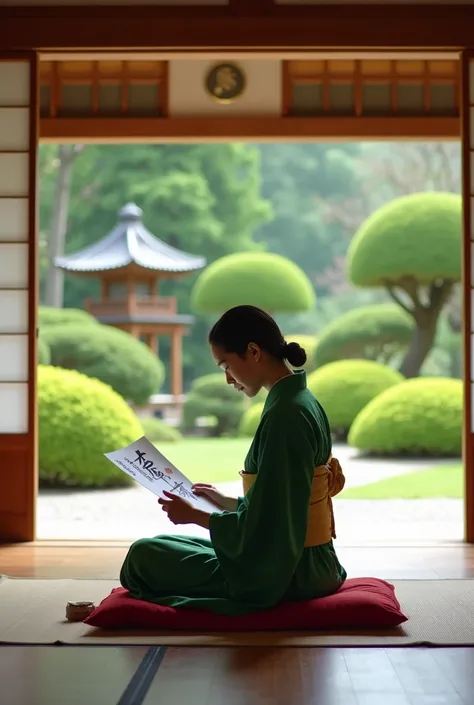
(108, 354)
(250, 420)
(211, 396)
(416, 236)
(44, 353)
(267, 280)
(157, 431)
(49, 316)
(80, 419)
(417, 417)
(345, 387)
(376, 332)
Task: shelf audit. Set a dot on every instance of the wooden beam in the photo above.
(467, 176)
(261, 128)
(259, 26)
(176, 363)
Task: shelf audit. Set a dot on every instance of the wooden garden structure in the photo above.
(130, 263)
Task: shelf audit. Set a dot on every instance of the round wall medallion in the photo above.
(225, 82)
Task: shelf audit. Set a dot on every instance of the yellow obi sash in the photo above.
(328, 481)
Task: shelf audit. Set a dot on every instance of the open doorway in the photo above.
(92, 99)
(304, 202)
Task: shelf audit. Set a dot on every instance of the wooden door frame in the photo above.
(468, 374)
(263, 28)
(21, 450)
(241, 25)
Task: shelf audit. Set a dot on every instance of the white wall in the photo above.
(188, 95)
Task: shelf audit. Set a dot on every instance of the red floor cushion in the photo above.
(361, 603)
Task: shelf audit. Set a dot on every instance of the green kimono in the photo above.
(255, 557)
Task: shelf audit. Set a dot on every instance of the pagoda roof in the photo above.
(130, 242)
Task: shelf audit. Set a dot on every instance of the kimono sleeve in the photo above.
(260, 544)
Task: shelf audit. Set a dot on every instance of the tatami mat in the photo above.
(441, 613)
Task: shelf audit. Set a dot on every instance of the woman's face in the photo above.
(242, 372)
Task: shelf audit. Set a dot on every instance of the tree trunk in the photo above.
(456, 362)
(54, 276)
(425, 313)
(420, 346)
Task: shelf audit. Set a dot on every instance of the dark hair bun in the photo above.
(295, 354)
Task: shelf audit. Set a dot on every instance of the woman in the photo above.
(275, 543)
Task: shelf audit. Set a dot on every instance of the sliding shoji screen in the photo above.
(18, 302)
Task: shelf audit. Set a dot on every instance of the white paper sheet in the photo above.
(142, 461)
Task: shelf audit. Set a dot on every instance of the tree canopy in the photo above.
(412, 247)
(298, 179)
(201, 198)
(269, 281)
(416, 236)
(301, 201)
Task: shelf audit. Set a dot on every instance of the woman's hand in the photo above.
(180, 511)
(201, 489)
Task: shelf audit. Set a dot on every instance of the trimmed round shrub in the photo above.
(309, 343)
(44, 353)
(108, 354)
(267, 280)
(376, 332)
(250, 420)
(417, 236)
(421, 416)
(156, 430)
(80, 419)
(211, 396)
(345, 387)
(49, 316)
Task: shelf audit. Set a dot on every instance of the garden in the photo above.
(385, 365)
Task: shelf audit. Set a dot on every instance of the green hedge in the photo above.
(267, 280)
(157, 431)
(108, 354)
(250, 420)
(215, 385)
(44, 353)
(345, 387)
(374, 332)
(211, 396)
(49, 316)
(421, 416)
(80, 419)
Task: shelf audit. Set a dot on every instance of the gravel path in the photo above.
(130, 513)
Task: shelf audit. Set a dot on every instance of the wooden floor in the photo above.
(73, 559)
(245, 676)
